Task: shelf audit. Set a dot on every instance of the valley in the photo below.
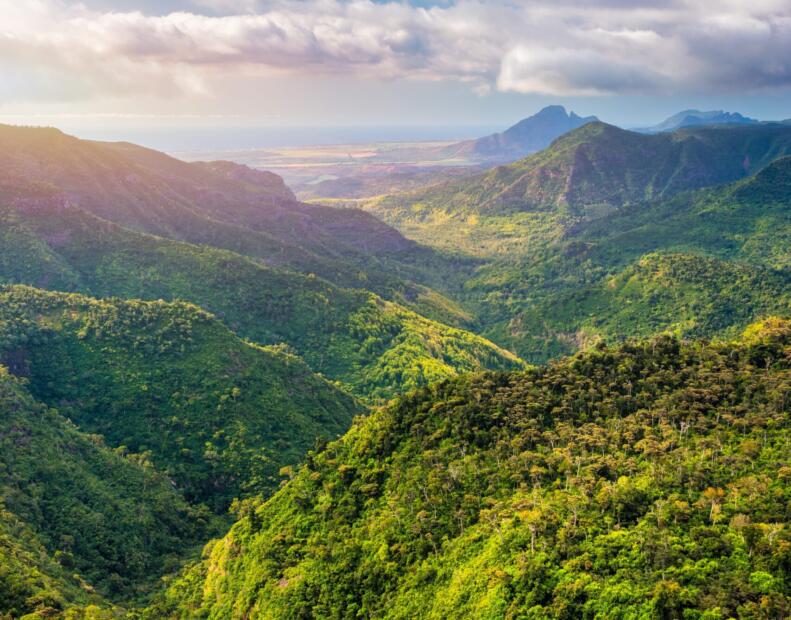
(395, 310)
(351, 170)
(555, 490)
(460, 392)
(583, 219)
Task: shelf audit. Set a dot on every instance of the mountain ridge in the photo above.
(601, 166)
(641, 479)
(220, 204)
(544, 263)
(114, 366)
(689, 118)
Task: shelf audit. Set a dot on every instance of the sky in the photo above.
(158, 65)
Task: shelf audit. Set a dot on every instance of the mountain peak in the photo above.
(551, 110)
(552, 113)
(529, 135)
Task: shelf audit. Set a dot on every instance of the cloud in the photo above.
(49, 48)
(574, 72)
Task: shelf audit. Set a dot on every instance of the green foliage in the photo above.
(602, 278)
(373, 347)
(689, 295)
(599, 167)
(644, 481)
(30, 580)
(26, 257)
(221, 204)
(218, 415)
(78, 516)
(648, 480)
(554, 279)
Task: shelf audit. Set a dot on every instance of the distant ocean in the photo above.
(184, 139)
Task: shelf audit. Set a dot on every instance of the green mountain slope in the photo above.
(648, 480)
(748, 220)
(221, 204)
(77, 516)
(218, 415)
(31, 582)
(687, 294)
(598, 168)
(725, 261)
(374, 347)
(553, 278)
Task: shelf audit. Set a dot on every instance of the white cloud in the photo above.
(49, 48)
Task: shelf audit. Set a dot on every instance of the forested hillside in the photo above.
(701, 263)
(127, 429)
(350, 347)
(150, 383)
(569, 260)
(646, 480)
(133, 426)
(374, 347)
(78, 519)
(597, 168)
(221, 204)
(218, 415)
(684, 294)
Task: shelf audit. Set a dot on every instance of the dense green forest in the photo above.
(221, 204)
(218, 415)
(127, 429)
(186, 348)
(79, 519)
(553, 279)
(701, 263)
(374, 347)
(597, 168)
(647, 480)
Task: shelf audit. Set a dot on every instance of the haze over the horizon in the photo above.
(124, 68)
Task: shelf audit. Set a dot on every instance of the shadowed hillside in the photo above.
(224, 205)
(80, 521)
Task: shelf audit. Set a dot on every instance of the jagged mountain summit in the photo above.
(529, 135)
(690, 118)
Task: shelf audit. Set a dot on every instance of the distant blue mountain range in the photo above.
(689, 118)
